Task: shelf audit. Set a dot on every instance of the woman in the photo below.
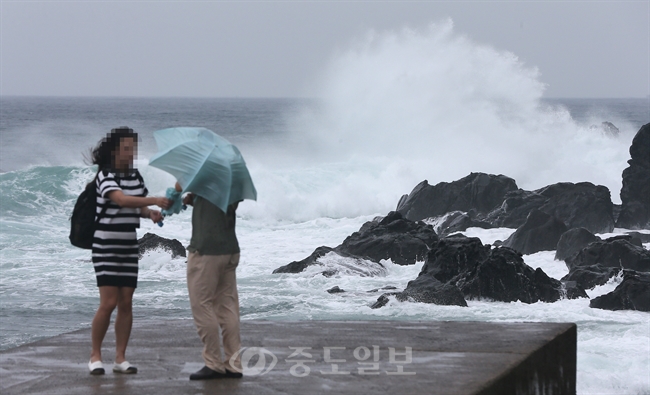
(121, 201)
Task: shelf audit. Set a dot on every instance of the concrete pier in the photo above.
(312, 357)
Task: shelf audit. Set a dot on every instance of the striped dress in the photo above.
(115, 243)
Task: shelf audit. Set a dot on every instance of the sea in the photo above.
(306, 199)
(382, 122)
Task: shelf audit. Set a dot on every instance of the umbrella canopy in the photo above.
(205, 164)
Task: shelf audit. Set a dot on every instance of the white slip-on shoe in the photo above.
(96, 368)
(125, 368)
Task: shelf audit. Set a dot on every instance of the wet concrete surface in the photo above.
(312, 357)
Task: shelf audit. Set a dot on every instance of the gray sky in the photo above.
(277, 49)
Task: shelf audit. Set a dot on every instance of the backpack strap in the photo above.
(103, 210)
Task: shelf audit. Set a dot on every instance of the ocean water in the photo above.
(392, 111)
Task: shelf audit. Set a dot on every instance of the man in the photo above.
(212, 284)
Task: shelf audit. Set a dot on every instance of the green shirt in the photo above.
(213, 231)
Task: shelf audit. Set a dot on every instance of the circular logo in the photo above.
(266, 360)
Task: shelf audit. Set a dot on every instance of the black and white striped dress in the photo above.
(115, 244)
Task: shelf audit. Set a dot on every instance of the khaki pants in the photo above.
(212, 286)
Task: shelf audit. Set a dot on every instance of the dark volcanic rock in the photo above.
(617, 253)
(454, 255)
(580, 205)
(505, 277)
(515, 208)
(427, 289)
(460, 267)
(151, 242)
(617, 212)
(588, 277)
(299, 266)
(457, 221)
(478, 191)
(341, 262)
(577, 205)
(635, 193)
(540, 232)
(573, 290)
(335, 290)
(631, 238)
(381, 302)
(632, 294)
(644, 237)
(572, 241)
(402, 241)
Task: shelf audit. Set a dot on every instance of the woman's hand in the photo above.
(163, 203)
(155, 216)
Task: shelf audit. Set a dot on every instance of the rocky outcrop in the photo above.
(588, 277)
(456, 221)
(643, 237)
(635, 193)
(540, 232)
(332, 262)
(299, 266)
(478, 191)
(633, 293)
(427, 289)
(486, 201)
(402, 241)
(581, 205)
(463, 266)
(600, 260)
(577, 205)
(482, 272)
(572, 241)
(152, 242)
(515, 208)
(381, 302)
(454, 255)
(504, 276)
(335, 290)
(619, 253)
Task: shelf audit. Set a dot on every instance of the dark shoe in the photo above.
(207, 374)
(233, 375)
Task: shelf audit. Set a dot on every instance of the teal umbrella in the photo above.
(205, 164)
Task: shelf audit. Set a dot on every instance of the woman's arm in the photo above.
(122, 200)
(154, 215)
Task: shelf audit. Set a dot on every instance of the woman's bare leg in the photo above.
(107, 302)
(123, 322)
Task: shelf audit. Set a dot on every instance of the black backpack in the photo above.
(83, 223)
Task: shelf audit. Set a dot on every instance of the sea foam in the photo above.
(399, 107)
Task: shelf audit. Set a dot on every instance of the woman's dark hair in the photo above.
(104, 153)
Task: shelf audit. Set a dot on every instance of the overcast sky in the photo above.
(277, 49)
